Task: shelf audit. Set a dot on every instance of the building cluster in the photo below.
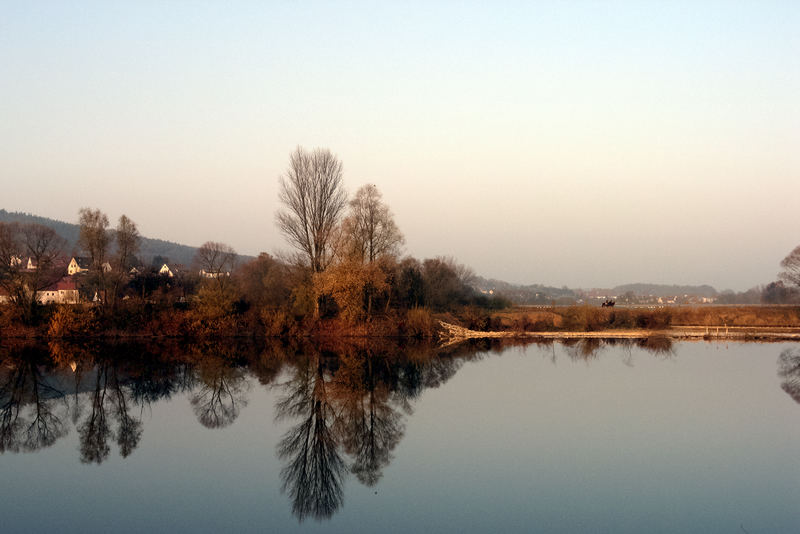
(66, 290)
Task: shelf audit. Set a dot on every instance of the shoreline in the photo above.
(455, 334)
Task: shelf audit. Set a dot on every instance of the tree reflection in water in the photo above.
(347, 403)
(349, 410)
(369, 425)
(110, 391)
(314, 470)
(28, 404)
(789, 371)
(222, 391)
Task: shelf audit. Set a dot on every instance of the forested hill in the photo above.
(149, 249)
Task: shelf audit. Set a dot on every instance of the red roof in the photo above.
(67, 283)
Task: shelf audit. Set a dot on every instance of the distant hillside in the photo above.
(665, 290)
(539, 294)
(525, 294)
(149, 248)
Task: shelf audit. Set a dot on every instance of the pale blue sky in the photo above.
(566, 143)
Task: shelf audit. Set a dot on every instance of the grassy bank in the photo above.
(591, 319)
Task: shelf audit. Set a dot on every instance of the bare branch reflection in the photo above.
(789, 371)
(369, 425)
(28, 404)
(313, 475)
(221, 394)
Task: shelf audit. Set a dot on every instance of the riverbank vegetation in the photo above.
(346, 276)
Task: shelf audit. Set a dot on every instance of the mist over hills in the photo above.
(149, 247)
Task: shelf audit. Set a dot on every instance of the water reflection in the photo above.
(789, 372)
(345, 406)
(30, 402)
(314, 468)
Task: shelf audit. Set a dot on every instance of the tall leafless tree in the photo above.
(94, 240)
(791, 267)
(127, 238)
(19, 245)
(93, 237)
(215, 259)
(313, 196)
(216, 262)
(369, 228)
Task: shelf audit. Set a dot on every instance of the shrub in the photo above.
(475, 318)
(278, 322)
(70, 321)
(420, 323)
(654, 319)
(582, 318)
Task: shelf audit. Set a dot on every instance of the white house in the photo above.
(65, 291)
(213, 274)
(78, 265)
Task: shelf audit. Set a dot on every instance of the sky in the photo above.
(586, 144)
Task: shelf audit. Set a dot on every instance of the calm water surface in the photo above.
(586, 437)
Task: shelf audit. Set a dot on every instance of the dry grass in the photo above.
(592, 318)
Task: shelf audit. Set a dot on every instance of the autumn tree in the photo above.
(352, 285)
(313, 197)
(215, 297)
(19, 245)
(369, 228)
(265, 281)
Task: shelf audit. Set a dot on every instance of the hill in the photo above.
(149, 248)
(665, 290)
(525, 294)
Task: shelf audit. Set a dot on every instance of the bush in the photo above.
(278, 322)
(583, 318)
(475, 319)
(654, 319)
(420, 323)
(70, 321)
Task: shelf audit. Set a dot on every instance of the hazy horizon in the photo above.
(577, 144)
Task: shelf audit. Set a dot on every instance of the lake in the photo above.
(587, 436)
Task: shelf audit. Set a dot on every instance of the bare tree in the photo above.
(93, 237)
(127, 238)
(791, 267)
(24, 245)
(94, 240)
(215, 259)
(313, 196)
(369, 228)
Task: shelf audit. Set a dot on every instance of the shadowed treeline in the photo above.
(344, 404)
